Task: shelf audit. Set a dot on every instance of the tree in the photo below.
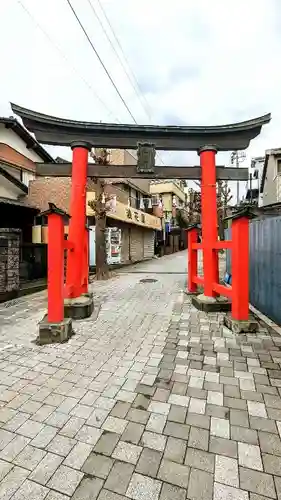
(223, 198)
(100, 209)
(194, 206)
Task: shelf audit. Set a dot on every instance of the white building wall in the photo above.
(9, 137)
(13, 171)
(270, 186)
(7, 190)
(27, 177)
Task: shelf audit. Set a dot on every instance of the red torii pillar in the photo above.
(55, 327)
(55, 264)
(240, 265)
(238, 293)
(209, 218)
(192, 258)
(75, 258)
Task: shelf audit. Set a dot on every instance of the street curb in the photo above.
(265, 319)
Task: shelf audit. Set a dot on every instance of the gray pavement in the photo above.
(149, 400)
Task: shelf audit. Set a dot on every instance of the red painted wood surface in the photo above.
(209, 221)
(74, 269)
(240, 268)
(192, 260)
(55, 268)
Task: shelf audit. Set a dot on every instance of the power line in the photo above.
(74, 69)
(133, 80)
(64, 56)
(100, 60)
(103, 65)
(136, 85)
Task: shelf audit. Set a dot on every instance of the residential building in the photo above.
(19, 152)
(131, 224)
(133, 192)
(253, 194)
(270, 186)
(171, 194)
(19, 259)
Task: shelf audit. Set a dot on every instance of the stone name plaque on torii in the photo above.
(206, 140)
(146, 158)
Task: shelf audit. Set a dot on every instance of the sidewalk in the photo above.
(152, 400)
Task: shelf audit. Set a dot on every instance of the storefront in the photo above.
(130, 234)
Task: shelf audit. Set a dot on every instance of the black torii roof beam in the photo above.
(63, 132)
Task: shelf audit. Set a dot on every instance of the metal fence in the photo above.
(265, 266)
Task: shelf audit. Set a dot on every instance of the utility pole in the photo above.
(237, 157)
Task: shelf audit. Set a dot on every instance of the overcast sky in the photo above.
(196, 62)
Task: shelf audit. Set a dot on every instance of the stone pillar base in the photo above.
(50, 333)
(237, 326)
(198, 291)
(211, 304)
(79, 308)
(193, 294)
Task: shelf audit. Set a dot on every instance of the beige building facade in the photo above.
(172, 195)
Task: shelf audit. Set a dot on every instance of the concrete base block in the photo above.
(79, 308)
(50, 333)
(237, 327)
(211, 304)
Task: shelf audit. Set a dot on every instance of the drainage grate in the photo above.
(148, 280)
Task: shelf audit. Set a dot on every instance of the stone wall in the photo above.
(9, 259)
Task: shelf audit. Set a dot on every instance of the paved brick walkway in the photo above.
(152, 400)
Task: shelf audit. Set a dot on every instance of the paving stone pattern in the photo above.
(151, 401)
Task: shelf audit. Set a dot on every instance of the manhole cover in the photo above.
(148, 280)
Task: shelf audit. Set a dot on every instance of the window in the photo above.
(138, 196)
(278, 167)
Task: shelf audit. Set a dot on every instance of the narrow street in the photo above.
(149, 400)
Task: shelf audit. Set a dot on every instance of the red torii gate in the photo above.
(81, 137)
